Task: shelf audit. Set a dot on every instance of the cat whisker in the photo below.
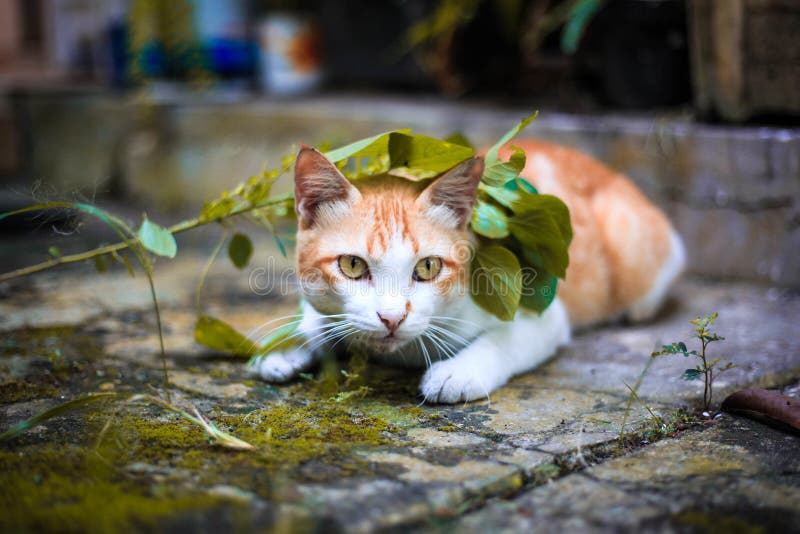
(296, 318)
(444, 348)
(451, 335)
(297, 333)
(337, 327)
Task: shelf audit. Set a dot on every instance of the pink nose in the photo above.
(392, 320)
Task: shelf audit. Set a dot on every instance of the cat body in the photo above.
(624, 255)
(384, 265)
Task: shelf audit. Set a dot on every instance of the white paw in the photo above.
(452, 381)
(282, 367)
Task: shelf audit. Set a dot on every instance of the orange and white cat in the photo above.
(382, 264)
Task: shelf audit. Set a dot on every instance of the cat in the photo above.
(384, 265)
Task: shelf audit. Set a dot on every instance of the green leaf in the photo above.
(218, 208)
(496, 283)
(458, 138)
(542, 229)
(491, 158)
(579, 17)
(365, 148)
(513, 194)
(157, 239)
(498, 172)
(538, 286)
(126, 262)
(54, 251)
(692, 374)
(219, 335)
(520, 184)
(280, 244)
(420, 156)
(489, 220)
(240, 249)
(101, 263)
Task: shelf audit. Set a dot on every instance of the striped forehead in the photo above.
(392, 224)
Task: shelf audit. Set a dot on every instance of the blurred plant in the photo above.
(705, 369)
(163, 41)
(526, 23)
(516, 226)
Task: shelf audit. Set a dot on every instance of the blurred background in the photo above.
(158, 105)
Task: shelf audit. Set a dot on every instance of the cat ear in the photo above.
(455, 191)
(317, 181)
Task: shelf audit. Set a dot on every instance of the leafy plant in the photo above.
(706, 368)
(517, 229)
(527, 24)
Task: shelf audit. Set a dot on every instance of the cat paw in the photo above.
(452, 381)
(282, 367)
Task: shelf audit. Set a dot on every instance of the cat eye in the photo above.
(353, 266)
(426, 269)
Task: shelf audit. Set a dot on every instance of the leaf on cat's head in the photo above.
(496, 281)
(489, 221)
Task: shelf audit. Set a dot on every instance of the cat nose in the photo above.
(392, 320)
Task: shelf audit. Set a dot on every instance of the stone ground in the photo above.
(564, 448)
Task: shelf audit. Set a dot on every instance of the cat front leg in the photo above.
(501, 352)
(286, 365)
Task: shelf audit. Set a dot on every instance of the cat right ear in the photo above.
(455, 190)
(317, 182)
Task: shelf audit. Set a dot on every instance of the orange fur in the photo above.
(386, 207)
(621, 240)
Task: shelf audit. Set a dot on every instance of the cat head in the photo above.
(386, 255)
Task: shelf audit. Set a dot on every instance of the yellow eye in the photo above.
(426, 269)
(353, 266)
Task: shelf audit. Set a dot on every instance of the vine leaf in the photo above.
(496, 281)
(538, 286)
(545, 228)
(219, 335)
(365, 148)
(157, 239)
(488, 220)
(492, 159)
(500, 172)
(240, 249)
(418, 156)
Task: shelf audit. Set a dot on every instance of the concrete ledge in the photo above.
(732, 191)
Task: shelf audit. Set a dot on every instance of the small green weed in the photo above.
(706, 368)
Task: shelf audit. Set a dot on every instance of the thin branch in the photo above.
(116, 247)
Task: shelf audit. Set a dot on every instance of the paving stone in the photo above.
(377, 460)
(737, 475)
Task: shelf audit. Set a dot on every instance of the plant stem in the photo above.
(108, 249)
(206, 268)
(706, 400)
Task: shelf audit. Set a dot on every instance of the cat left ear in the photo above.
(317, 181)
(456, 190)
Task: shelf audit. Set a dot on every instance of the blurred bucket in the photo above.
(289, 54)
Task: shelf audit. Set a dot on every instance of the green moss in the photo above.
(18, 390)
(56, 343)
(717, 523)
(288, 435)
(68, 489)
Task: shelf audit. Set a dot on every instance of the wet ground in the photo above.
(563, 448)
